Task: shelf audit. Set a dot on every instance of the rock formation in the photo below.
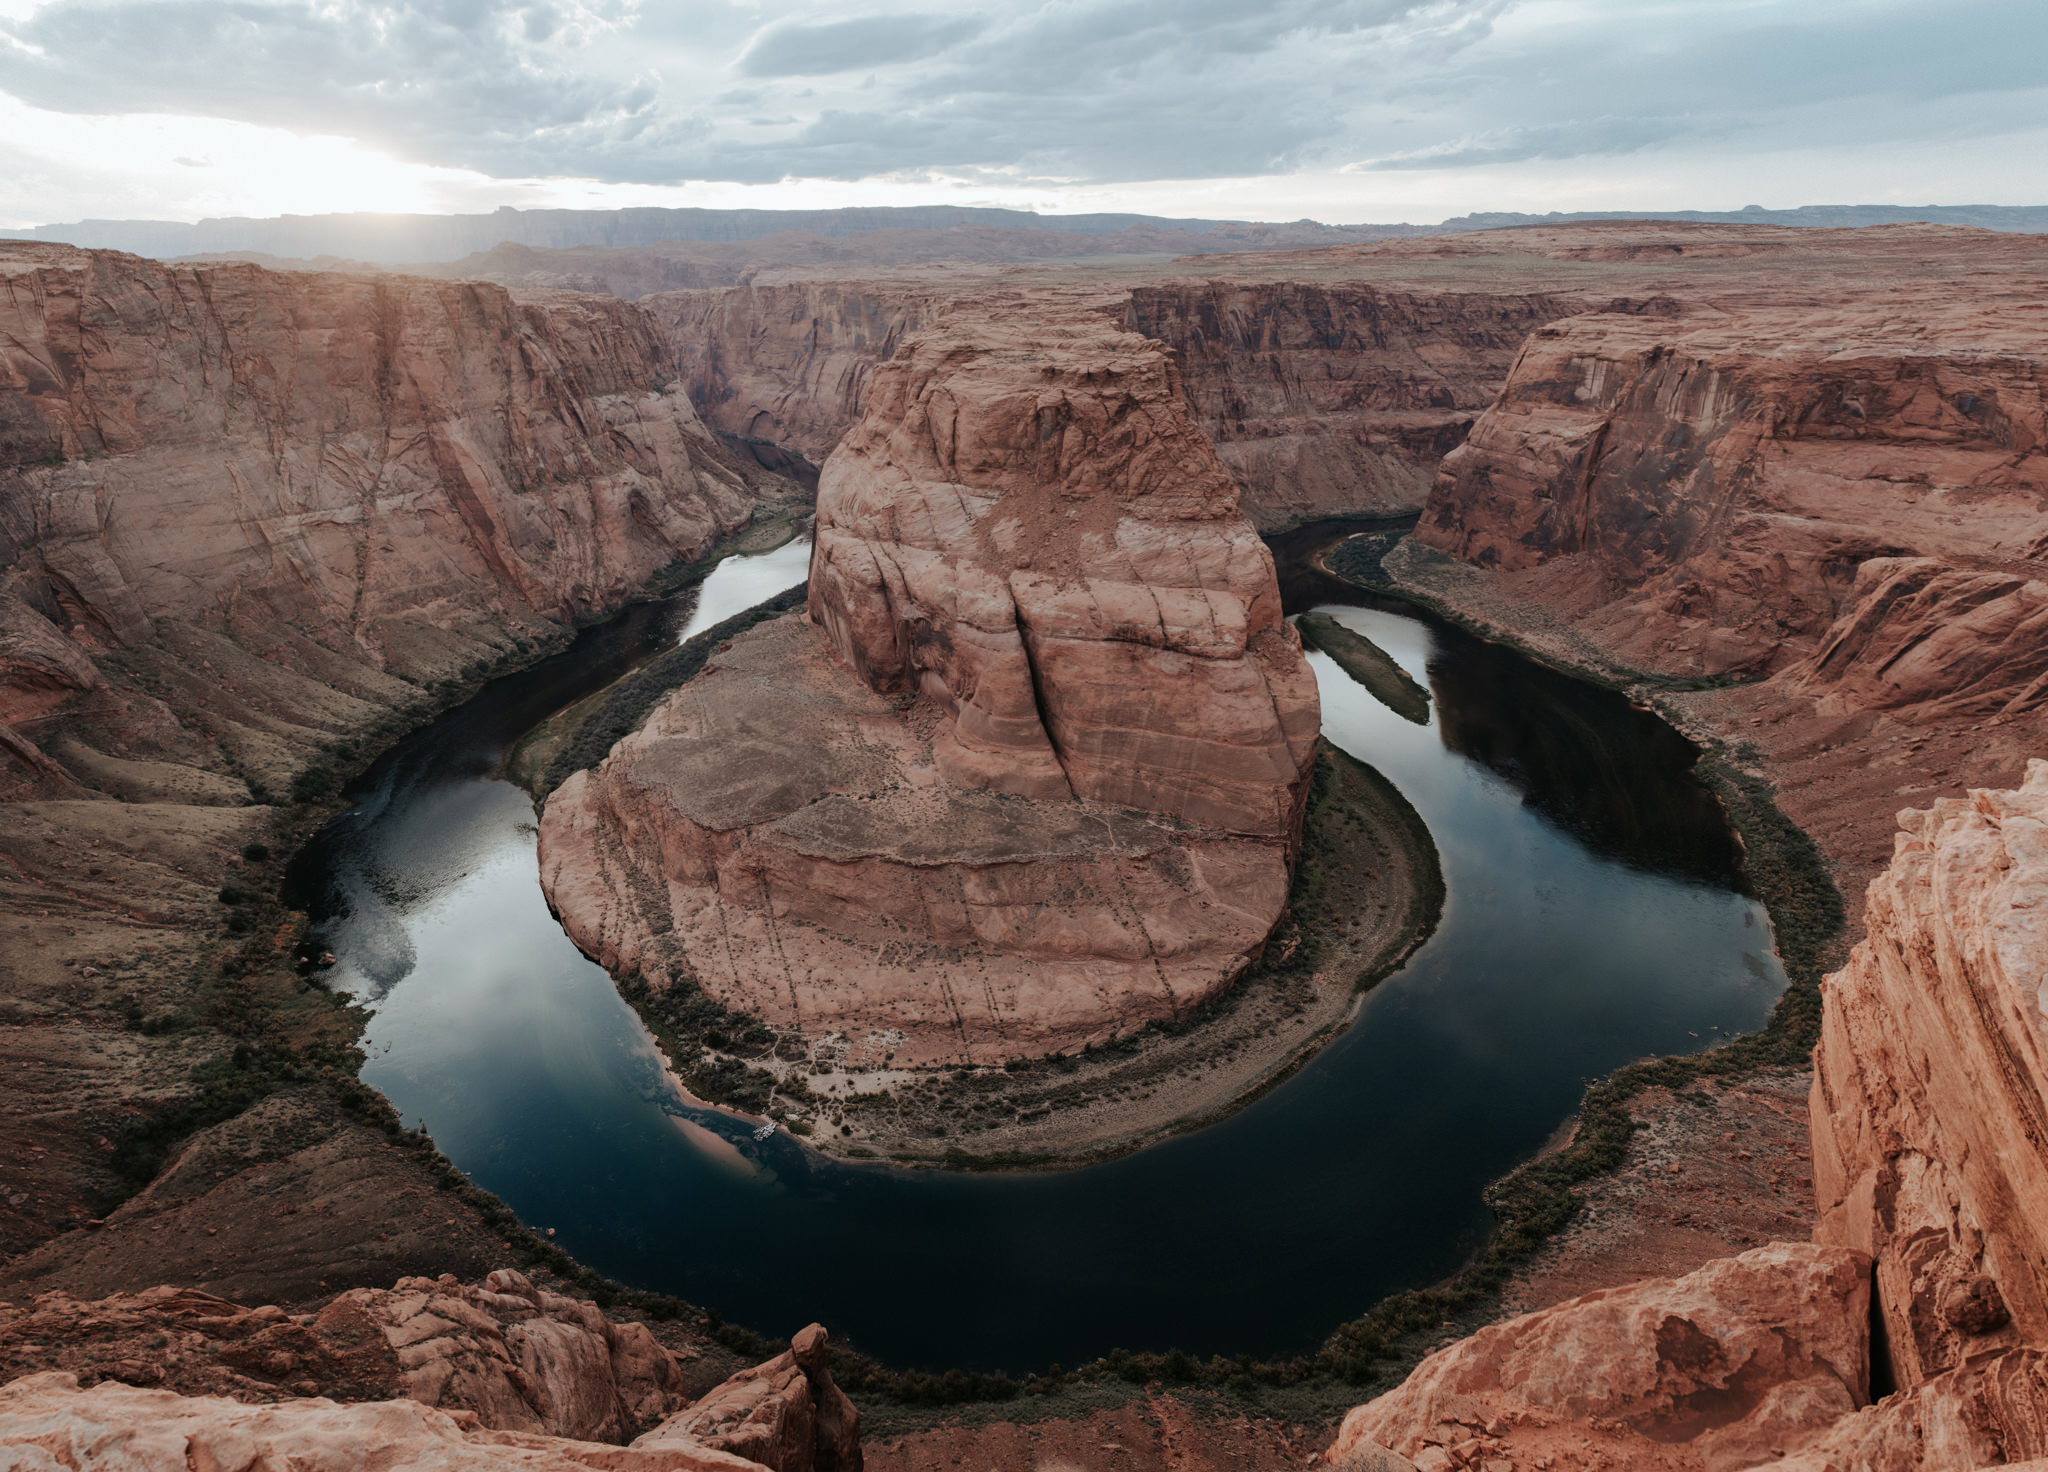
(1336, 398)
(1032, 772)
(785, 1414)
(483, 1411)
(1743, 1360)
(1702, 483)
(1930, 1095)
(517, 1357)
(355, 477)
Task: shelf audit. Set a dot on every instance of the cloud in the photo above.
(795, 49)
(1097, 92)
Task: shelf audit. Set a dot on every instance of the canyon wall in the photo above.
(789, 363)
(1698, 484)
(1336, 398)
(352, 478)
(1030, 774)
(1321, 398)
(247, 520)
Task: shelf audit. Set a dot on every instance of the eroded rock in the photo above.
(1930, 1127)
(1032, 772)
(1744, 1359)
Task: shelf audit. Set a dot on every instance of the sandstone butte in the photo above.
(1029, 773)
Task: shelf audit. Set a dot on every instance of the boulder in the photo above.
(1743, 1358)
(785, 1414)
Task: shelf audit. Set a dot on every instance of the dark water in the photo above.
(1592, 917)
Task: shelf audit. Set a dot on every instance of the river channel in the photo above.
(1593, 915)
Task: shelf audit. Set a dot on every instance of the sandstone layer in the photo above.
(1032, 772)
(1740, 1360)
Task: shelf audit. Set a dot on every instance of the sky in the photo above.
(1346, 111)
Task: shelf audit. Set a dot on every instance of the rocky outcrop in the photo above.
(1930, 1097)
(785, 1414)
(47, 1420)
(456, 1375)
(1032, 772)
(1743, 1359)
(516, 1357)
(1335, 398)
(1700, 484)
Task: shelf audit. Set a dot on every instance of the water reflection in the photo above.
(1560, 956)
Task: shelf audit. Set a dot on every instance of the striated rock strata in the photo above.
(1322, 398)
(1701, 484)
(1930, 1096)
(1032, 771)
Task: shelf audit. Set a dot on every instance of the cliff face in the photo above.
(246, 517)
(1699, 485)
(789, 363)
(1334, 398)
(1321, 398)
(1053, 558)
(1032, 772)
(226, 442)
(1930, 1096)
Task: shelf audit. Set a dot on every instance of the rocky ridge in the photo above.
(431, 1373)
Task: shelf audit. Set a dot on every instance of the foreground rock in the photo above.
(1743, 1359)
(47, 1421)
(1032, 772)
(497, 1374)
(1930, 1098)
(518, 1357)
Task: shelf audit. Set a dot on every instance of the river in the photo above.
(1593, 915)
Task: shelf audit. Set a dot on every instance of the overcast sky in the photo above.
(1342, 110)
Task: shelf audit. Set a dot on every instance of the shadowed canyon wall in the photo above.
(1322, 398)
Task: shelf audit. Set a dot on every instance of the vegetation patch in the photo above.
(1368, 664)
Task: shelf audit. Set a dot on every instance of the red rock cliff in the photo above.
(1702, 482)
(1321, 398)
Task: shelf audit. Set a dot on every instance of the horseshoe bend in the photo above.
(1030, 770)
(1618, 974)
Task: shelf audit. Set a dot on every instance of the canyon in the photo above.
(1786, 487)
